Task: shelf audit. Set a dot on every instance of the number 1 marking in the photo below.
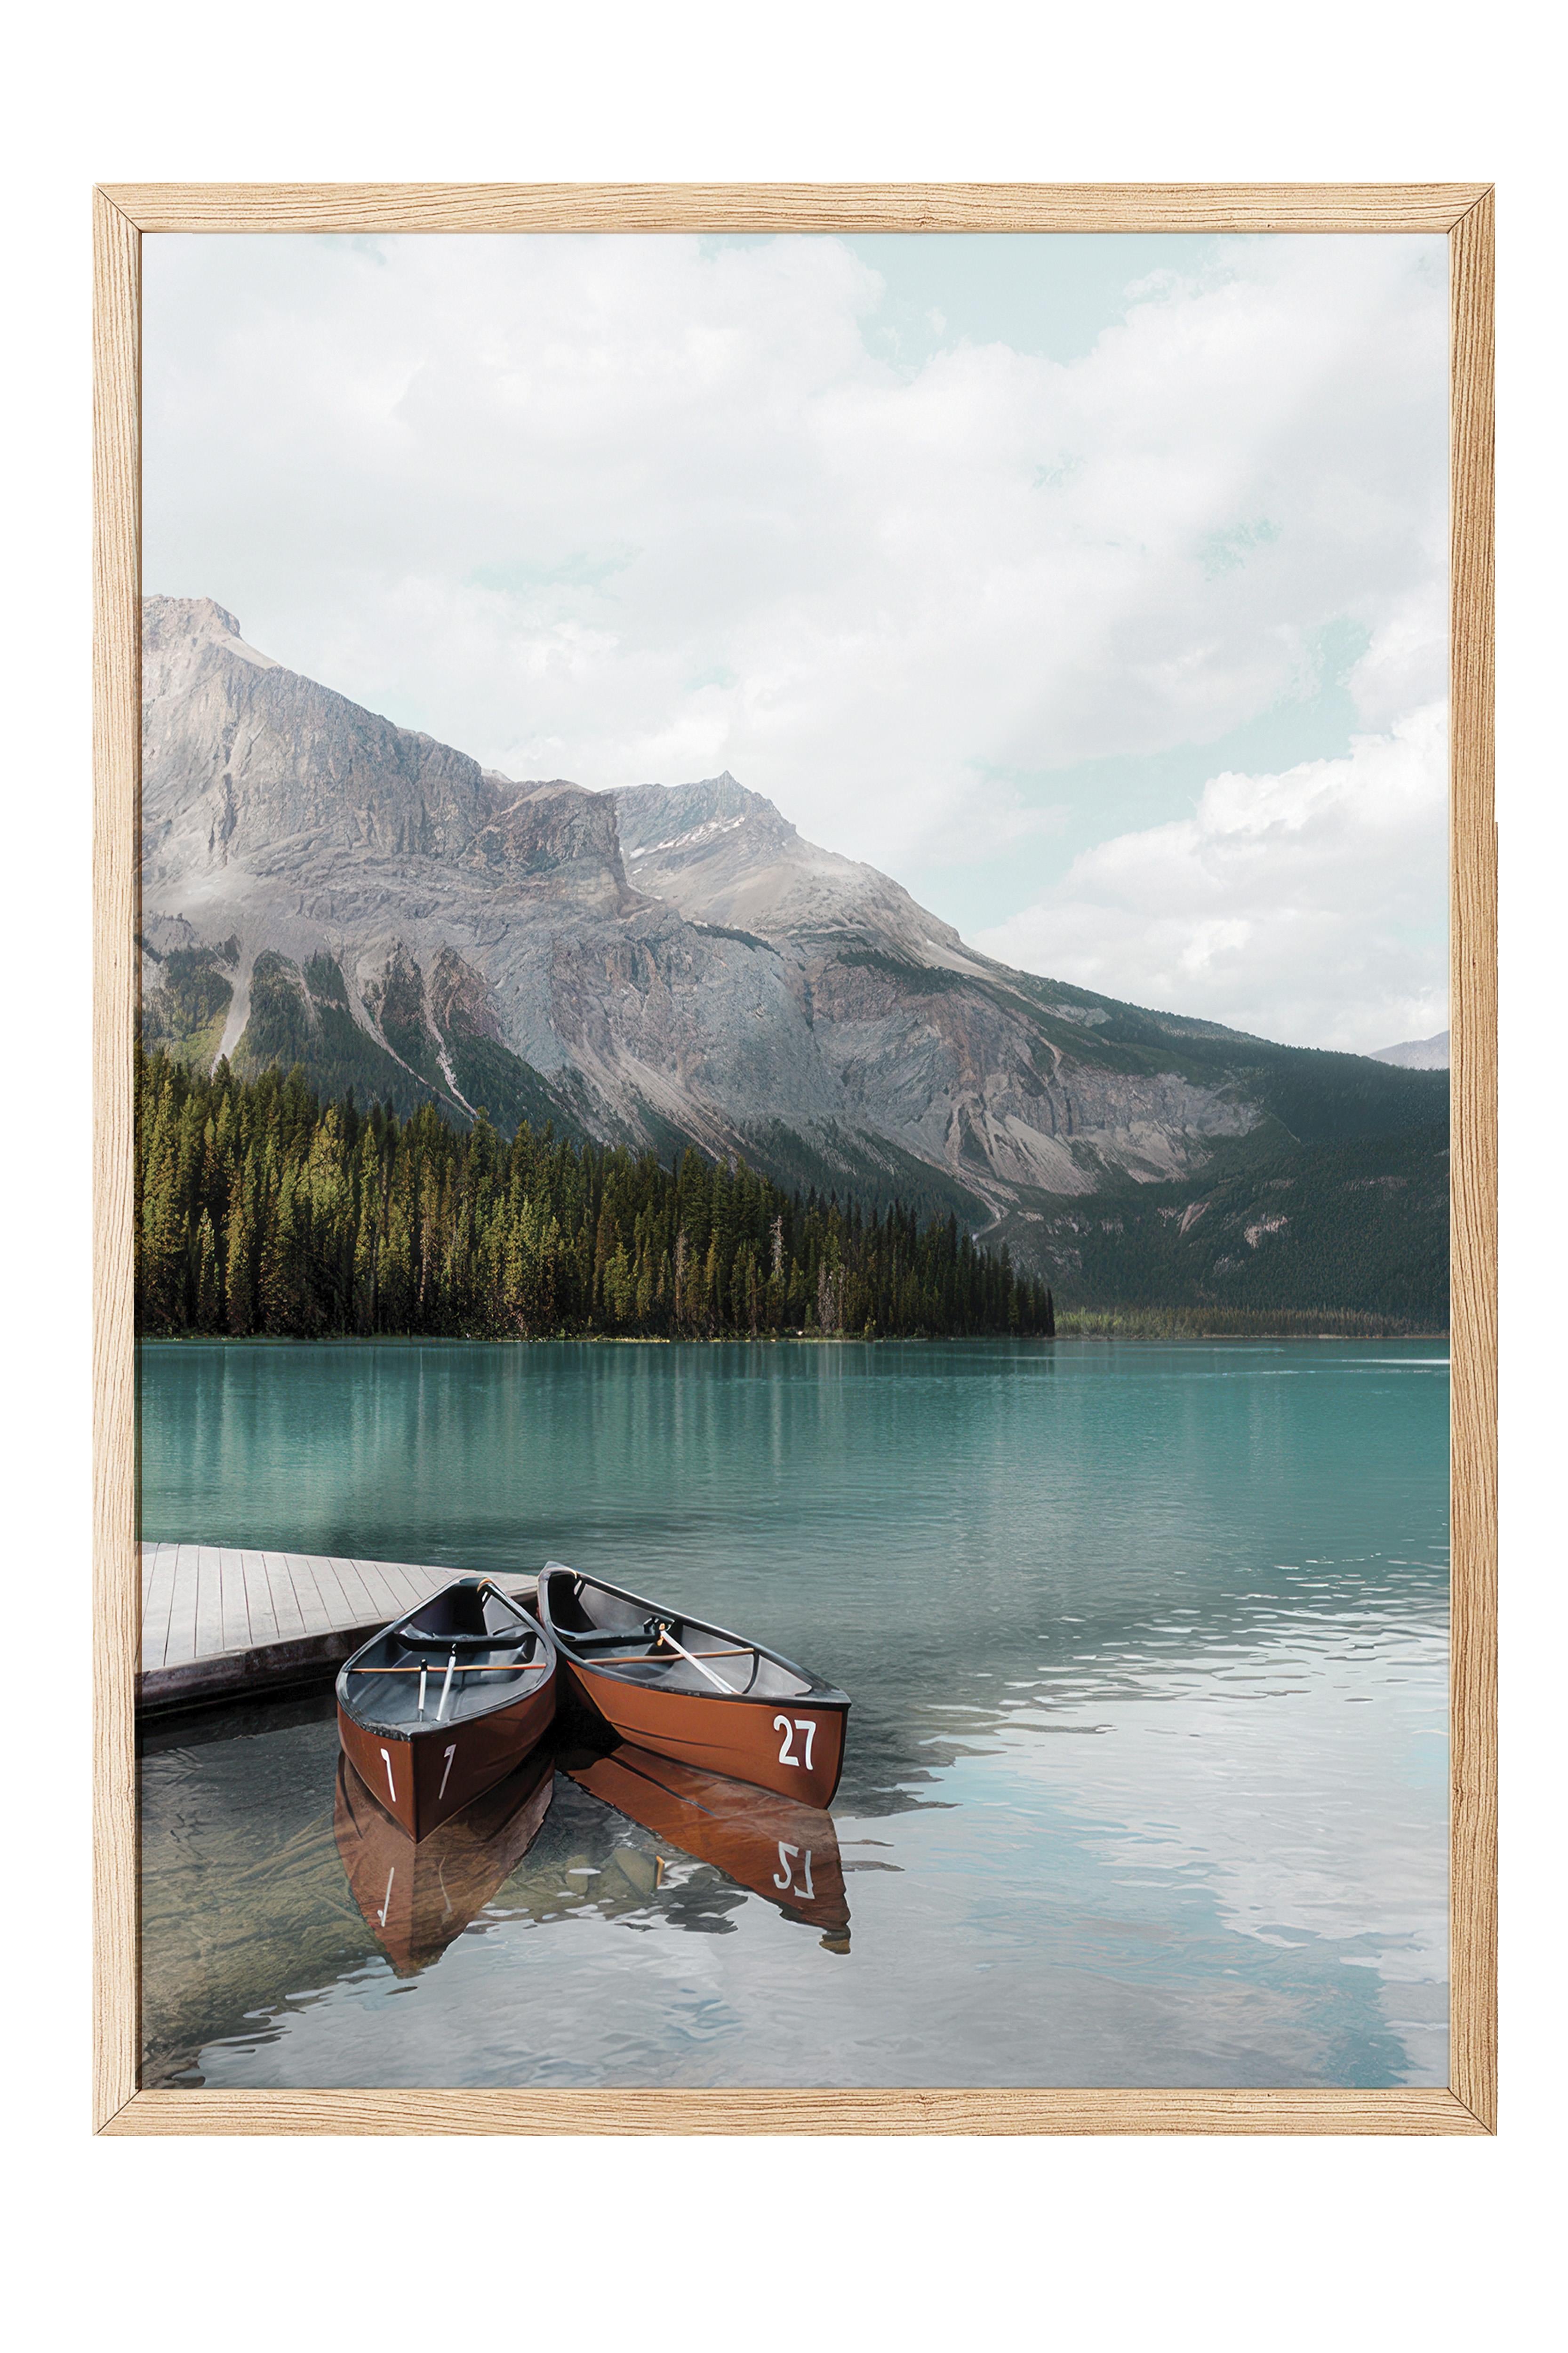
(449, 1754)
(390, 1782)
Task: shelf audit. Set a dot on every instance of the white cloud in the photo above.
(1298, 906)
(616, 508)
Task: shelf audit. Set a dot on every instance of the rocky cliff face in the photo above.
(246, 763)
(649, 966)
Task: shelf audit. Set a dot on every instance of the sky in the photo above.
(1094, 587)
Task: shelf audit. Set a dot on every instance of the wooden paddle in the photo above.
(666, 1636)
(746, 1650)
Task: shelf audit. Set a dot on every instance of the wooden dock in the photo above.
(218, 1623)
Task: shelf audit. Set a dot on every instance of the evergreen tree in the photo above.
(240, 1253)
(209, 1277)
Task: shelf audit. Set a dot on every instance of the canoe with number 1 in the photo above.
(694, 1692)
(445, 1702)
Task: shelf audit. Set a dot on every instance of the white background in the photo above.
(1103, 2244)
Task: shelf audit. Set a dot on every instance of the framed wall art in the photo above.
(794, 1236)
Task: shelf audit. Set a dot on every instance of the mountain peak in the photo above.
(724, 855)
(1416, 1053)
(172, 625)
(681, 821)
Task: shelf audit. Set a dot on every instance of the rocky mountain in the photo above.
(1417, 1053)
(725, 856)
(658, 965)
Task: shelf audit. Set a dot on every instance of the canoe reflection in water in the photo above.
(773, 1846)
(416, 1898)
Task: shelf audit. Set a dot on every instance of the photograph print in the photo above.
(792, 1161)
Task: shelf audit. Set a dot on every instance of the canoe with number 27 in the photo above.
(694, 1692)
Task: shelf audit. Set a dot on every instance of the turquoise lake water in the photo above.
(1147, 1769)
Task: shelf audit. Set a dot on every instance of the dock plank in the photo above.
(329, 1586)
(387, 1591)
(182, 1642)
(412, 1586)
(233, 1603)
(258, 1597)
(311, 1591)
(209, 1601)
(285, 1602)
(357, 1594)
(157, 1601)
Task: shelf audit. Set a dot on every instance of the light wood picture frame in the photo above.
(123, 216)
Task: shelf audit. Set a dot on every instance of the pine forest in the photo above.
(259, 1210)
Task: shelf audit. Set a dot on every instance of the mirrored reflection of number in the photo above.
(785, 1876)
(805, 1723)
(387, 1899)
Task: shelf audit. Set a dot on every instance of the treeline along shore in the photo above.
(260, 1209)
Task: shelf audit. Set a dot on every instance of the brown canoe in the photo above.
(442, 1705)
(418, 1898)
(786, 1852)
(694, 1692)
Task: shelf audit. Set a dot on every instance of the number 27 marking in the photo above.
(806, 1723)
(784, 1876)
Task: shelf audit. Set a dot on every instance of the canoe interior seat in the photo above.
(465, 1617)
(566, 1602)
(586, 1615)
